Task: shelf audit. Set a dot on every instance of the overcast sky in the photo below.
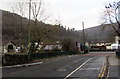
(71, 13)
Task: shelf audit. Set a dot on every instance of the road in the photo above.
(75, 66)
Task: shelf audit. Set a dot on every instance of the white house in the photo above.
(115, 46)
(53, 47)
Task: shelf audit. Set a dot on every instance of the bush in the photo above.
(68, 45)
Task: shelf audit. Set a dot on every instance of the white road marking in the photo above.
(78, 68)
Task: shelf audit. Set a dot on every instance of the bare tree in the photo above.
(111, 16)
(39, 11)
(40, 30)
(37, 26)
(36, 9)
(21, 8)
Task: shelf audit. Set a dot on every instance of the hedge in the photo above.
(14, 59)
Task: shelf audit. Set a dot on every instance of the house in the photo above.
(53, 47)
(13, 47)
(108, 46)
(9, 47)
(47, 46)
(115, 46)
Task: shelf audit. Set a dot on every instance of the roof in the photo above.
(16, 43)
(51, 47)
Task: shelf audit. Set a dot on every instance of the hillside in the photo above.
(15, 28)
(102, 33)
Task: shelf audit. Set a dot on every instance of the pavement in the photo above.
(90, 70)
(114, 67)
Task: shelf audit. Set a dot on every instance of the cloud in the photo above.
(73, 12)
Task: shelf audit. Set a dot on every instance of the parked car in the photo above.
(84, 47)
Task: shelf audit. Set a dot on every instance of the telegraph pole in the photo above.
(29, 30)
(29, 21)
(83, 36)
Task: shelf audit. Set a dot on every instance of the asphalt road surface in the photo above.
(75, 66)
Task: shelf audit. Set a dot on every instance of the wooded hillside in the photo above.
(15, 29)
